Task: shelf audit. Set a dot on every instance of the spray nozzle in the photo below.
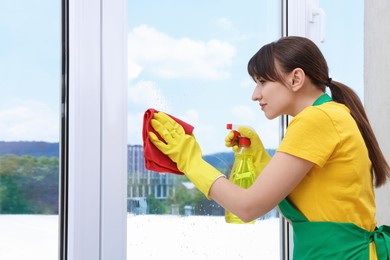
(238, 139)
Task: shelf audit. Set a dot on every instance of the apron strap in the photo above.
(290, 212)
(381, 237)
(322, 99)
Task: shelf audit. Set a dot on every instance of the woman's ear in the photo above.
(297, 79)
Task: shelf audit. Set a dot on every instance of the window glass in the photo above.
(188, 59)
(29, 127)
(344, 43)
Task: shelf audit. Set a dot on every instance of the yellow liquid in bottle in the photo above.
(243, 175)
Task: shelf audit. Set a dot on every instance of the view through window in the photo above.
(344, 43)
(189, 59)
(29, 129)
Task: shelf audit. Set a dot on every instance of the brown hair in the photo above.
(298, 52)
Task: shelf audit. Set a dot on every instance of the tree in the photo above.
(154, 205)
(28, 185)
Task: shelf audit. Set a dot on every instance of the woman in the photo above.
(323, 172)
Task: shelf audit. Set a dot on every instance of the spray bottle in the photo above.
(243, 173)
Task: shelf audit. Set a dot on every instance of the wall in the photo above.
(377, 89)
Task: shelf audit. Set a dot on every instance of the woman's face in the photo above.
(274, 97)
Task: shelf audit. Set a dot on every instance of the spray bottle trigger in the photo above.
(236, 138)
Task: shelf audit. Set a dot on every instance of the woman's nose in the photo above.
(256, 95)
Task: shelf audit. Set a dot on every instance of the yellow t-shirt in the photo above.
(339, 188)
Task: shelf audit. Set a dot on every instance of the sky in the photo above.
(190, 61)
(186, 58)
(29, 70)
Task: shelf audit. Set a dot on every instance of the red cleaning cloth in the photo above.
(155, 160)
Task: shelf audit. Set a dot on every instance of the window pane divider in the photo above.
(97, 129)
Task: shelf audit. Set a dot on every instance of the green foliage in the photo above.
(193, 197)
(28, 185)
(154, 205)
(182, 197)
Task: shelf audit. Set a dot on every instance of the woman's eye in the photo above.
(260, 80)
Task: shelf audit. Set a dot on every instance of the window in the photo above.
(98, 148)
(189, 59)
(30, 83)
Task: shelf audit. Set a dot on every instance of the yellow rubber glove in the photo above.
(260, 155)
(184, 150)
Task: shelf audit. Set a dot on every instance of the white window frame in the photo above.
(97, 117)
(304, 18)
(97, 129)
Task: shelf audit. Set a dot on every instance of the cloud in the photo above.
(143, 94)
(32, 120)
(224, 23)
(237, 34)
(133, 70)
(160, 54)
(148, 94)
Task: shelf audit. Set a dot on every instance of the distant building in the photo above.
(137, 206)
(143, 182)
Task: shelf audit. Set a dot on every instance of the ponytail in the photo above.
(345, 95)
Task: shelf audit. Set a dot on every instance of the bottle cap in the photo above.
(244, 141)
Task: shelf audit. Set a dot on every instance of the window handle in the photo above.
(313, 12)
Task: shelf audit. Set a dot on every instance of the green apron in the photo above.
(333, 240)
